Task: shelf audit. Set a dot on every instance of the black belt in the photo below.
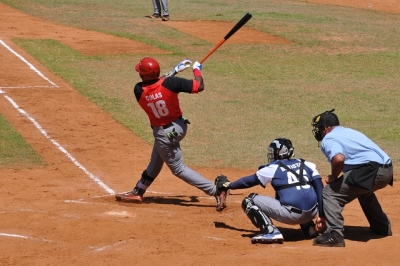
(385, 165)
(169, 124)
(298, 211)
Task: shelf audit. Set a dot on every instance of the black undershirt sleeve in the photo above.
(177, 84)
(138, 91)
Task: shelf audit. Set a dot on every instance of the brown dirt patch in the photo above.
(15, 23)
(391, 6)
(217, 30)
(60, 215)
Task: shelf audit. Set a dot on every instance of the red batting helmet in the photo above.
(148, 69)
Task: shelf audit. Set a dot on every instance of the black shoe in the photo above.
(332, 239)
(155, 15)
(379, 231)
(309, 229)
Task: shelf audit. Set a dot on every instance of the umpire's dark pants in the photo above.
(337, 194)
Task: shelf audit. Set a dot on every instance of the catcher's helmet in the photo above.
(279, 149)
(326, 119)
(148, 69)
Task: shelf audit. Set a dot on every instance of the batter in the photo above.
(158, 97)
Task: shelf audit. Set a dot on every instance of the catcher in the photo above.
(298, 188)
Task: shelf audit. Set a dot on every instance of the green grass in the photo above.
(14, 150)
(341, 58)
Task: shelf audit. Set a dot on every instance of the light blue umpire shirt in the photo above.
(354, 145)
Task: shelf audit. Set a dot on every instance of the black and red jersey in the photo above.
(160, 99)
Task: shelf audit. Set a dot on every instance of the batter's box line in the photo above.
(34, 69)
(98, 249)
(58, 145)
(25, 237)
(27, 87)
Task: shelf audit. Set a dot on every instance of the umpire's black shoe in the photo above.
(380, 231)
(332, 239)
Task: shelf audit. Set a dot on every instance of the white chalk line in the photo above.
(23, 210)
(27, 87)
(97, 249)
(29, 64)
(25, 237)
(61, 148)
(213, 238)
(38, 126)
(84, 202)
(110, 245)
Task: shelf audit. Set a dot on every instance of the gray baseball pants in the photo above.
(281, 213)
(168, 151)
(337, 194)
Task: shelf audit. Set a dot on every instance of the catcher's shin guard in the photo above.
(144, 182)
(256, 216)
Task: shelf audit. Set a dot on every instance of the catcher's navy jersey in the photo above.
(302, 197)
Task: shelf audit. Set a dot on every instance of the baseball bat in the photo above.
(235, 28)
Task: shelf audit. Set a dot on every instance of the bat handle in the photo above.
(212, 51)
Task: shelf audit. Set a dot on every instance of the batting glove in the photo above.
(173, 134)
(179, 68)
(182, 65)
(197, 66)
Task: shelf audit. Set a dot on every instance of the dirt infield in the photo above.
(65, 213)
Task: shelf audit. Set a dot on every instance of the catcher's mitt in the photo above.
(222, 183)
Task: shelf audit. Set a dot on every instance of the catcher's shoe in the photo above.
(275, 237)
(221, 200)
(332, 239)
(129, 197)
(309, 229)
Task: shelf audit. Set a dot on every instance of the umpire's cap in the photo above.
(326, 119)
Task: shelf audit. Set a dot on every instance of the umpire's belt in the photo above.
(298, 211)
(385, 165)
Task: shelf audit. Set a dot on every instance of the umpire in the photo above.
(366, 168)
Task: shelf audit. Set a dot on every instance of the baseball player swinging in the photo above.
(298, 198)
(158, 97)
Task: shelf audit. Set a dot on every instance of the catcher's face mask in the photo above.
(270, 154)
(279, 149)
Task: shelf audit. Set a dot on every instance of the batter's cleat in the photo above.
(221, 200)
(332, 239)
(275, 237)
(129, 197)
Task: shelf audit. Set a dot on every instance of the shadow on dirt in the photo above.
(290, 234)
(360, 234)
(353, 233)
(183, 200)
